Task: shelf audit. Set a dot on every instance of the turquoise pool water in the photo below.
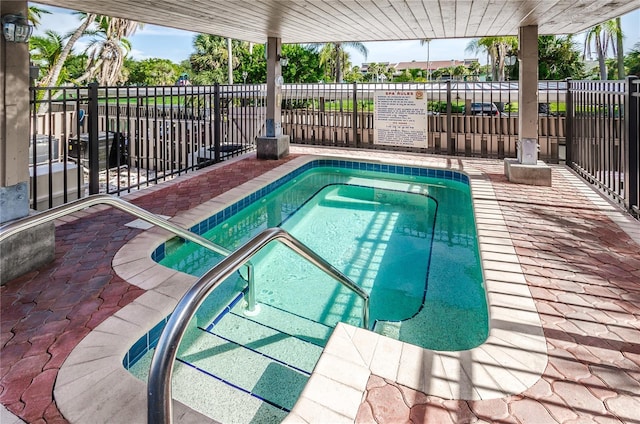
(408, 240)
(406, 235)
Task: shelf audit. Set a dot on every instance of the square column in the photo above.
(526, 168)
(274, 145)
(528, 95)
(14, 122)
(34, 247)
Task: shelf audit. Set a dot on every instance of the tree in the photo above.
(632, 61)
(497, 48)
(620, 48)
(336, 58)
(558, 58)
(108, 50)
(427, 41)
(601, 38)
(34, 13)
(303, 66)
(474, 69)
(459, 72)
(304, 63)
(210, 58)
(45, 50)
(354, 75)
(53, 76)
(153, 71)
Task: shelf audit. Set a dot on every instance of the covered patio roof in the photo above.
(309, 21)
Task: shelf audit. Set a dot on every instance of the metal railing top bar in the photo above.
(159, 404)
(549, 91)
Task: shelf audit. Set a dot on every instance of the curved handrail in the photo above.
(159, 406)
(15, 227)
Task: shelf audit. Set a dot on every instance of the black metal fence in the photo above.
(342, 115)
(603, 132)
(116, 139)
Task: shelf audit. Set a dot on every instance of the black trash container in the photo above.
(113, 149)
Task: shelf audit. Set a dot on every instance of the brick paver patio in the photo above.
(583, 272)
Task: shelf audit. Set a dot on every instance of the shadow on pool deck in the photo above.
(582, 269)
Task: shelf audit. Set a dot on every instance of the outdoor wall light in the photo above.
(16, 28)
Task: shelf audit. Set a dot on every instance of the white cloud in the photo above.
(59, 20)
(138, 54)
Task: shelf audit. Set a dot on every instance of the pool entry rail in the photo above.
(159, 385)
(159, 405)
(15, 227)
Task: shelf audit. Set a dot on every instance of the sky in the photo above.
(159, 42)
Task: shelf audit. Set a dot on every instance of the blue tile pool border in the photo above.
(202, 227)
(150, 340)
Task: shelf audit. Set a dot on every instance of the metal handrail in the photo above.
(15, 227)
(159, 405)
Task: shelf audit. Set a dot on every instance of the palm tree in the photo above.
(427, 41)
(559, 58)
(34, 13)
(602, 37)
(474, 69)
(108, 50)
(334, 56)
(46, 49)
(53, 76)
(56, 68)
(619, 48)
(497, 48)
(632, 61)
(459, 72)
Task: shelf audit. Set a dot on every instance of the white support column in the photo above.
(31, 248)
(274, 145)
(14, 122)
(528, 95)
(526, 168)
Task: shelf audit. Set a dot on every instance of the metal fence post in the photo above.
(451, 148)
(354, 116)
(631, 141)
(216, 121)
(568, 130)
(92, 148)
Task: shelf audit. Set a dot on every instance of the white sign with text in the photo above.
(400, 118)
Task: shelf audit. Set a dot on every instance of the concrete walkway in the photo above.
(583, 271)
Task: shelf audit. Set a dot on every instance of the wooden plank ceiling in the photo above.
(309, 21)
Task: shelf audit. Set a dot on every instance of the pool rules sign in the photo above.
(400, 118)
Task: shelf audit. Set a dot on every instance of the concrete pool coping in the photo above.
(92, 383)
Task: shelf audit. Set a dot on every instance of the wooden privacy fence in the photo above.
(481, 136)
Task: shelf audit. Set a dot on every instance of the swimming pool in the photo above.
(414, 248)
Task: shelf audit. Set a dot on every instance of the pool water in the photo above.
(361, 231)
(407, 240)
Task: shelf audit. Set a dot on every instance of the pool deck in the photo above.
(580, 258)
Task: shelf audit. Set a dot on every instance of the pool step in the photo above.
(268, 341)
(388, 328)
(246, 369)
(286, 322)
(220, 400)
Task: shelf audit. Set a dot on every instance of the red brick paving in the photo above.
(47, 312)
(583, 273)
